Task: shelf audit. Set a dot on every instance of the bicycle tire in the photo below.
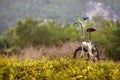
(78, 54)
(96, 53)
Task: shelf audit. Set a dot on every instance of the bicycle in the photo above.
(86, 50)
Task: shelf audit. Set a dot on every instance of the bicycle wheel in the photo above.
(96, 53)
(81, 54)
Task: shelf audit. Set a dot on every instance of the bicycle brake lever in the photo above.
(85, 18)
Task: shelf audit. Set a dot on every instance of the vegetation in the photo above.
(54, 32)
(57, 69)
(114, 47)
(34, 33)
(31, 32)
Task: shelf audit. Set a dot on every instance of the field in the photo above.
(38, 50)
(64, 68)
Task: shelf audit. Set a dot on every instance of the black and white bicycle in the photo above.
(86, 50)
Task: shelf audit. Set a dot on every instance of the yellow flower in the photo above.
(11, 77)
(80, 76)
(89, 68)
(115, 71)
(84, 71)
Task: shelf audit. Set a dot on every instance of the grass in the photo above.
(57, 69)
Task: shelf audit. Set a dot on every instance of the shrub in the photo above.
(31, 32)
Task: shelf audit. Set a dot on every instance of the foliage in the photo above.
(114, 47)
(57, 69)
(4, 42)
(31, 32)
(6, 47)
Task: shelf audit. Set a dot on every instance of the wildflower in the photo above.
(115, 71)
(89, 68)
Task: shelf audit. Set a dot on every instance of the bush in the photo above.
(5, 46)
(4, 42)
(32, 32)
(114, 47)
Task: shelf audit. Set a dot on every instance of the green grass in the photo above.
(57, 69)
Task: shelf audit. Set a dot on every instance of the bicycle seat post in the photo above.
(90, 40)
(90, 30)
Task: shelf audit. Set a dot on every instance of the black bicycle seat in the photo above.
(91, 29)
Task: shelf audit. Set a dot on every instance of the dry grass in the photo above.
(66, 49)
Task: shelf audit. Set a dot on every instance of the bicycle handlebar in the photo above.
(82, 31)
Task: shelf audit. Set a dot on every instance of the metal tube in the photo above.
(82, 31)
(90, 36)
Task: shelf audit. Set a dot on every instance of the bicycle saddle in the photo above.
(91, 29)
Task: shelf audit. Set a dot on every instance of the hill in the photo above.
(62, 11)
